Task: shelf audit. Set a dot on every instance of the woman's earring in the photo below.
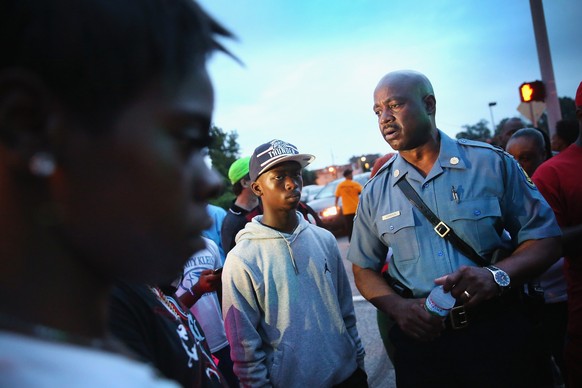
(42, 164)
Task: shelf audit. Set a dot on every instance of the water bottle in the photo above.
(439, 302)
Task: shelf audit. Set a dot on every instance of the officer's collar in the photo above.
(449, 157)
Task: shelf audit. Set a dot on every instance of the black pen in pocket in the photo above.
(455, 194)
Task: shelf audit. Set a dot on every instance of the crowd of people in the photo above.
(116, 271)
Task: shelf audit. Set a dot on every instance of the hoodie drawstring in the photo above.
(290, 253)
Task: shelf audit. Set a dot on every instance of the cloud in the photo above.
(311, 67)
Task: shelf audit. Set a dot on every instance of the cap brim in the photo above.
(303, 159)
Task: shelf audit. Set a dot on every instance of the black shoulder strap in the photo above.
(442, 229)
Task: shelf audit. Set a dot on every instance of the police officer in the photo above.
(479, 191)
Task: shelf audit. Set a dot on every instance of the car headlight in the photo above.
(329, 212)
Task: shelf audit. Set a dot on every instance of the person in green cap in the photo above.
(244, 207)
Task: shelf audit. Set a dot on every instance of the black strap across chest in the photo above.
(442, 229)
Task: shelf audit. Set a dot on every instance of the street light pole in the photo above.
(492, 104)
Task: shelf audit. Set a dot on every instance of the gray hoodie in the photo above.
(288, 310)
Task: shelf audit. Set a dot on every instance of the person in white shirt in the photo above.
(207, 309)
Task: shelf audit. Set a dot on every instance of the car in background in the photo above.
(324, 204)
(309, 192)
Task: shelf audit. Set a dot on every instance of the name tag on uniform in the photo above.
(390, 215)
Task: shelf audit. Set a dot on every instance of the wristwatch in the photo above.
(501, 278)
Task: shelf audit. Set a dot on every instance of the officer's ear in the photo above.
(430, 104)
(26, 120)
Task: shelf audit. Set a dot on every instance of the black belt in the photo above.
(460, 317)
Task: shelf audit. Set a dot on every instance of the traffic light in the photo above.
(532, 91)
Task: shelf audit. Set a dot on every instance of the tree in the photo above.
(309, 177)
(478, 131)
(567, 108)
(223, 151)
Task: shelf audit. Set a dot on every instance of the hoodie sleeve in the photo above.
(242, 315)
(345, 299)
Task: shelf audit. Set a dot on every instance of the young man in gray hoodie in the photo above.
(287, 301)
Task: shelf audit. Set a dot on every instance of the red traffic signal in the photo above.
(532, 91)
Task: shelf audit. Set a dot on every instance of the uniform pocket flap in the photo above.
(393, 222)
(474, 210)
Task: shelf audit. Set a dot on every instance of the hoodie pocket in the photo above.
(278, 373)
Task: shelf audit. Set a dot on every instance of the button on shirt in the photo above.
(474, 188)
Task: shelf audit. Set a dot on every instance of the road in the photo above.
(378, 366)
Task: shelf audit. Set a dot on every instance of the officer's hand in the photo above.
(415, 321)
(470, 285)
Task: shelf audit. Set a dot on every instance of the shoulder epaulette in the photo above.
(481, 144)
(502, 153)
(386, 166)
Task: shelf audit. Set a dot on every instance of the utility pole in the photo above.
(546, 67)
